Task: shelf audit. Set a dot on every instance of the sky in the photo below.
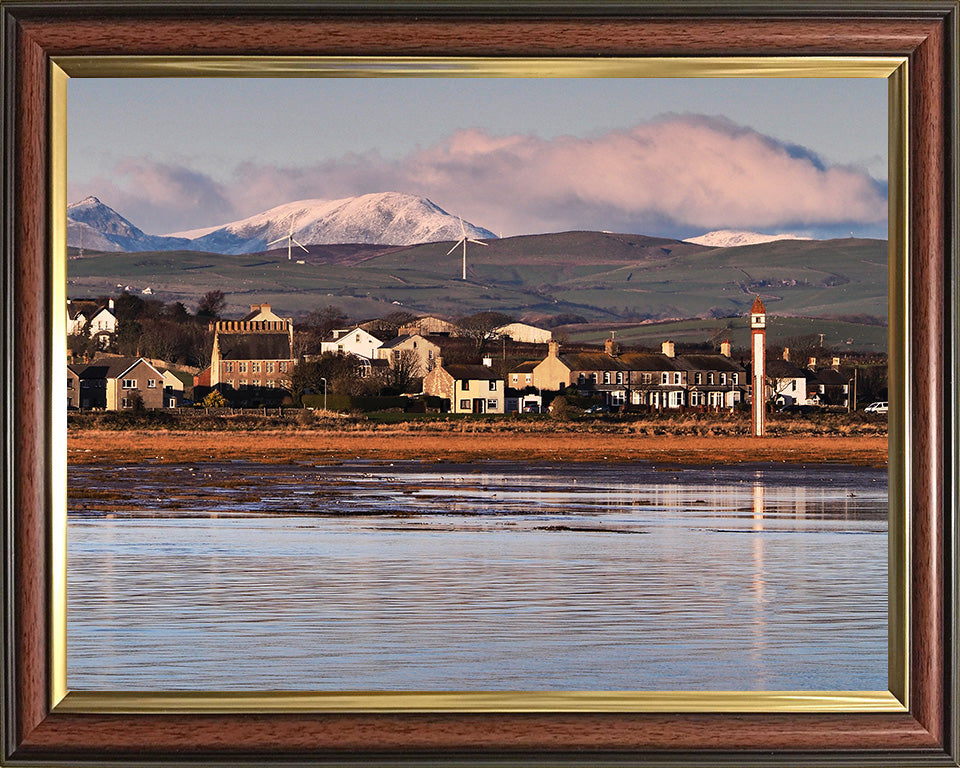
(663, 157)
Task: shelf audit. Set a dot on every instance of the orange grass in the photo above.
(87, 447)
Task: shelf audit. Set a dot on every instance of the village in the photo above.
(433, 364)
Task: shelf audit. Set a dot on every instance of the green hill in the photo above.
(601, 277)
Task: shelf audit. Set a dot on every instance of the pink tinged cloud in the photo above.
(682, 171)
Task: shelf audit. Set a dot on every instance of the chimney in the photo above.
(812, 363)
(488, 362)
(438, 362)
(553, 348)
(254, 307)
(836, 362)
(786, 354)
(668, 349)
(725, 348)
(110, 304)
(611, 347)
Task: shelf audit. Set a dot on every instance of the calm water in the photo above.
(482, 577)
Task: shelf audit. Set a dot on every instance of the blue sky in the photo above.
(663, 157)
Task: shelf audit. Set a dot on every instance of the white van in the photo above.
(881, 407)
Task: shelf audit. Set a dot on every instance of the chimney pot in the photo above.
(553, 348)
(726, 349)
(786, 354)
(668, 348)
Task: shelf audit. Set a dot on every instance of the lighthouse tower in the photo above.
(758, 340)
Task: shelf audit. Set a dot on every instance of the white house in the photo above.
(103, 322)
(352, 341)
(76, 320)
(786, 383)
(522, 332)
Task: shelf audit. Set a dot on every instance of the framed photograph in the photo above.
(375, 706)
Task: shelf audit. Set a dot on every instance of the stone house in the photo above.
(468, 388)
(255, 352)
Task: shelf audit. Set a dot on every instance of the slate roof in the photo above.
(828, 376)
(472, 372)
(526, 367)
(592, 361)
(647, 361)
(254, 346)
(784, 369)
(709, 363)
(111, 368)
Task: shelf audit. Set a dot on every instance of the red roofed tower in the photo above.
(758, 340)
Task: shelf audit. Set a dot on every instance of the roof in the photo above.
(396, 341)
(526, 367)
(709, 363)
(113, 368)
(783, 369)
(471, 372)
(255, 346)
(648, 361)
(758, 308)
(592, 361)
(829, 376)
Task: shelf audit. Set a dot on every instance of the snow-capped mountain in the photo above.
(387, 218)
(104, 229)
(730, 238)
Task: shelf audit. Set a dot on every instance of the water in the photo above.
(407, 576)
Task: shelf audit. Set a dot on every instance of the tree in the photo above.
(211, 306)
(214, 400)
(405, 369)
(480, 328)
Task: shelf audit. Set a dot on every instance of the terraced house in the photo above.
(659, 380)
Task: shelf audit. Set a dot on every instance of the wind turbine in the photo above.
(464, 239)
(290, 239)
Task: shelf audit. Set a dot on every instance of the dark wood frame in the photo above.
(926, 32)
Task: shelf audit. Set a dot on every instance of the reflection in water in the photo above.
(444, 577)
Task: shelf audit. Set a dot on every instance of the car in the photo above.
(531, 409)
(879, 407)
(599, 408)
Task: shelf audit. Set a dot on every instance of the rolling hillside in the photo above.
(601, 277)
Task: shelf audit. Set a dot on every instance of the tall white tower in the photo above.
(758, 330)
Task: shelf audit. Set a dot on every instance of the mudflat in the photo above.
(135, 446)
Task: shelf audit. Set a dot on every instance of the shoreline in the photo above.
(285, 447)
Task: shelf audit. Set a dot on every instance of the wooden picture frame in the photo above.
(35, 34)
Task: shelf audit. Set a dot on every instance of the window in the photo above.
(129, 384)
(736, 379)
(228, 367)
(270, 367)
(618, 398)
(580, 379)
(172, 402)
(595, 377)
(697, 379)
(464, 405)
(339, 347)
(429, 354)
(256, 382)
(283, 367)
(619, 377)
(255, 366)
(664, 378)
(514, 377)
(243, 382)
(124, 403)
(358, 338)
(793, 384)
(493, 385)
(491, 405)
(647, 378)
(465, 385)
(151, 383)
(676, 378)
(709, 378)
(723, 378)
(69, 383)
(243, 367)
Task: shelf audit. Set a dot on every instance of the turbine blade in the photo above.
(479, 242)
(278, 240)
(300, 244)
(455, 246)
(464, 231)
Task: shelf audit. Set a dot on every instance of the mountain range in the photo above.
(388, 218)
